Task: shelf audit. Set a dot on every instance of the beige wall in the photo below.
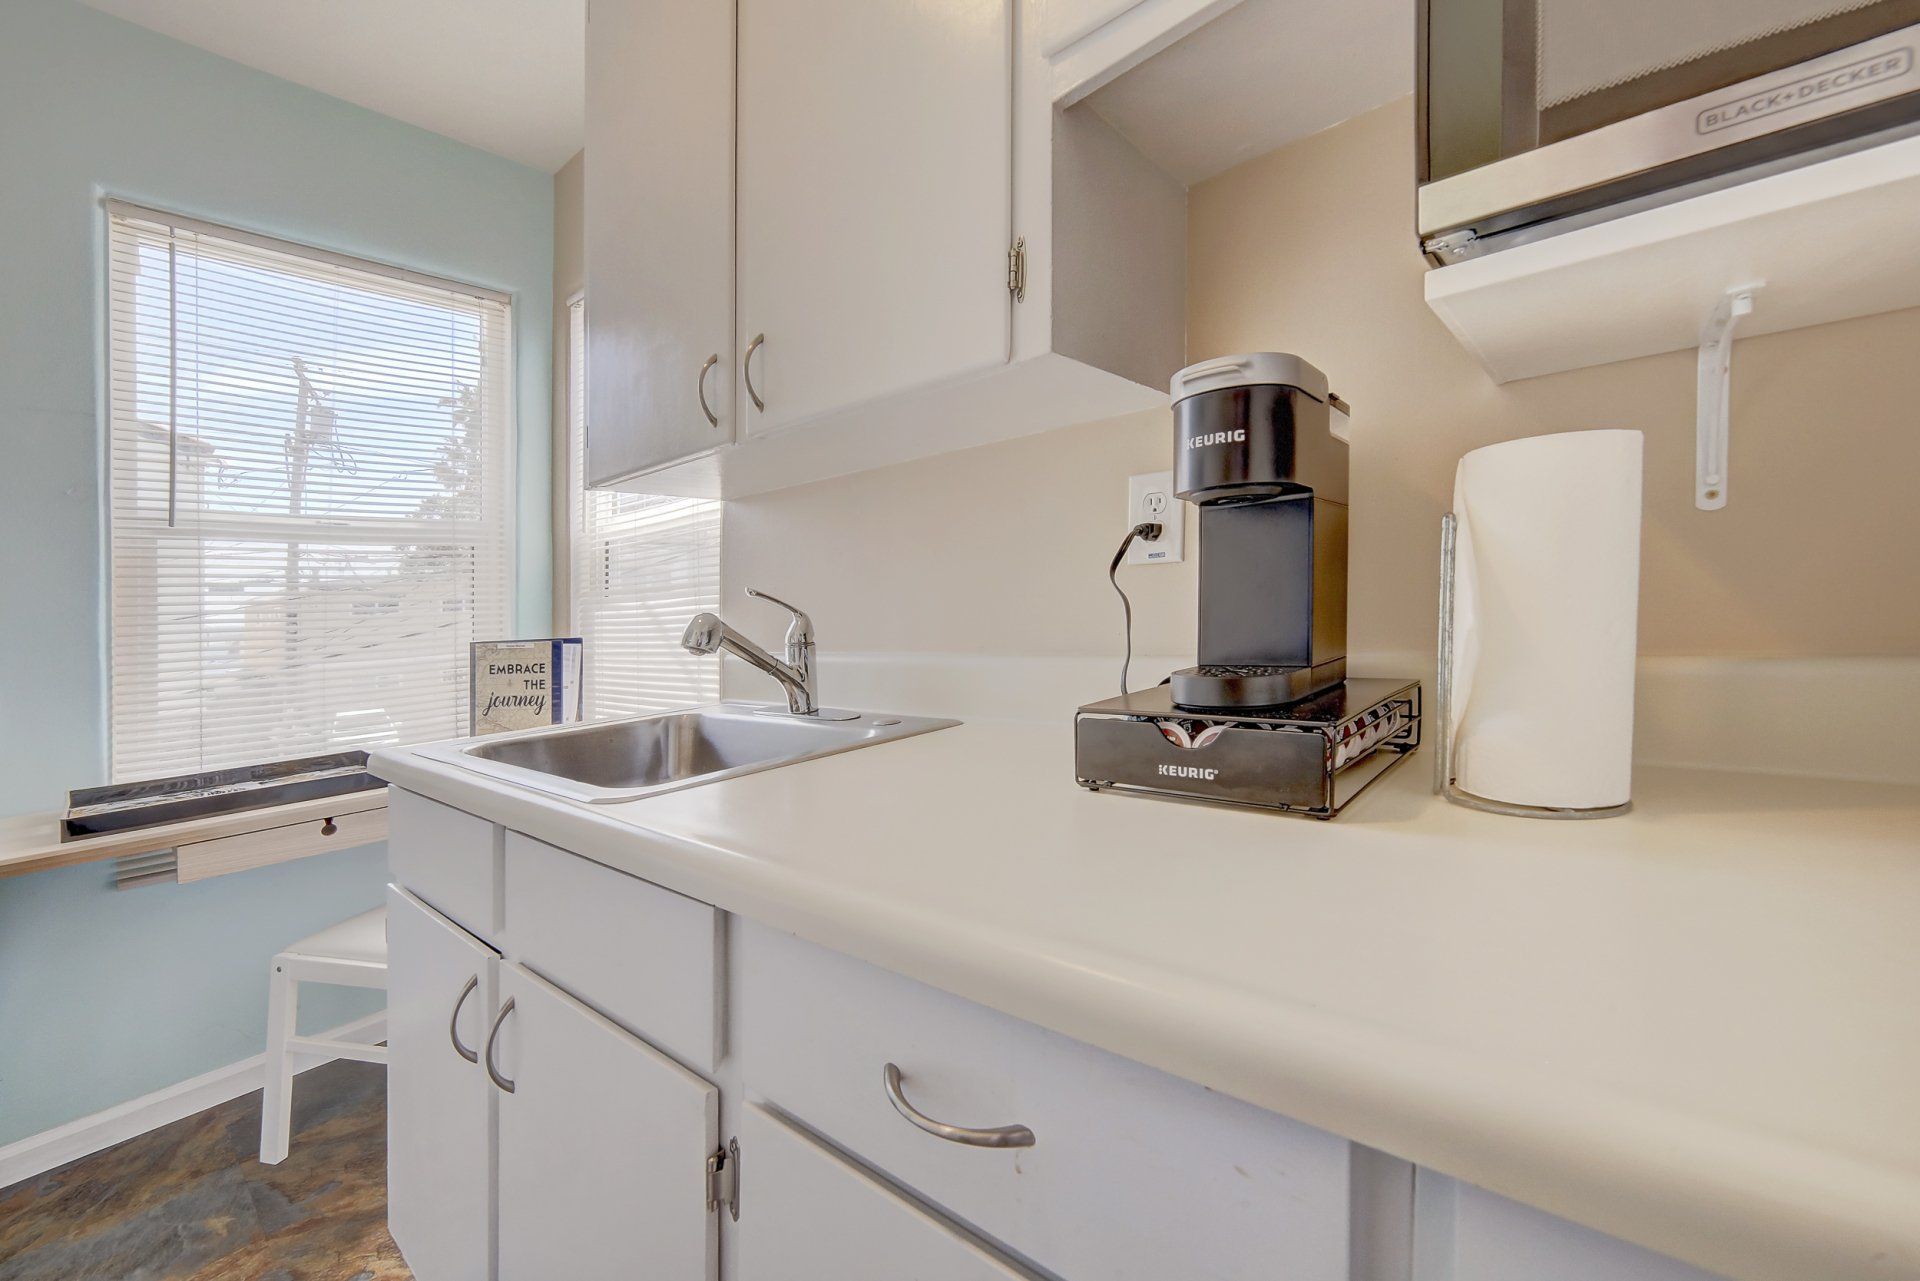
(1003, 549)
(1311, 250)
(569, 278)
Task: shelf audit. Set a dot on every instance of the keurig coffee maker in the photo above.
(1267, 717)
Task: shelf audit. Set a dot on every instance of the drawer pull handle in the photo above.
(493, 1073)
(453, 1022)
(1004, 1136)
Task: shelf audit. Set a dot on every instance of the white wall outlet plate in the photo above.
(1150, 497)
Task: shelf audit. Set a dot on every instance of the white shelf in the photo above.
(1829, 241)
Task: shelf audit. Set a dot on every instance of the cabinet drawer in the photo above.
(817, 1217)
(201, 859)
(449, 860)
(645, 957)
(1132, 1174)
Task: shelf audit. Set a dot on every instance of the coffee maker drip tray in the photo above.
(1241, 686)
(1310, 757)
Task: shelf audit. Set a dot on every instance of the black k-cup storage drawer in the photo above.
(1250, 766)
(1311, 757)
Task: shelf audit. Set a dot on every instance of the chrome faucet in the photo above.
(707, 633)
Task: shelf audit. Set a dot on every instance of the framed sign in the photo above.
(523, 684)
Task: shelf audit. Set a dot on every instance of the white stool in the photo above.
(350, 954)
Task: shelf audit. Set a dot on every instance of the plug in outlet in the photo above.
(1150, 497)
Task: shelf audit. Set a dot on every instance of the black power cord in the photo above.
(1147, 531)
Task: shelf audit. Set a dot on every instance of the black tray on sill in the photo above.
(124, 807)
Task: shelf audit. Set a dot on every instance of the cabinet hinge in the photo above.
(723, 1179)
(1451, 246)
(1017, 270)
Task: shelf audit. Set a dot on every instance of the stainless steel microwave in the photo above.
(1538, 115)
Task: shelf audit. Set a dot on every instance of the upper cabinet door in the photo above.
(659, 233)
(603, 1147)
(876, 164)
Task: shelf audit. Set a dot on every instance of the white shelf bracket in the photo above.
(1714, 389)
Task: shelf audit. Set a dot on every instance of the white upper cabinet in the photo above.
(659, 233)
(958, 222)
(875, 211)
(890, 156)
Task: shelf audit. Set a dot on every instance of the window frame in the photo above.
(273, 526)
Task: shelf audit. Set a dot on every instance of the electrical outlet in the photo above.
(1150, 497)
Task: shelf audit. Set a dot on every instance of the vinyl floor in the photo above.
(191, 1201)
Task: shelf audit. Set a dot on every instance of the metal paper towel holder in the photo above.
(1443, 782)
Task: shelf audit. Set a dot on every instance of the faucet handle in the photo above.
(800, 630)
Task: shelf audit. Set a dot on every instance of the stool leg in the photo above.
(276, 1099)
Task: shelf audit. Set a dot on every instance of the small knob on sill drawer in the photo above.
(328, 827)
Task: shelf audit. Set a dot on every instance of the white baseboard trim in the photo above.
(50, 1149)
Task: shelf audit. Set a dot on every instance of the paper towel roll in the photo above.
(1545, 611)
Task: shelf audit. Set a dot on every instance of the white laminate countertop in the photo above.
(1696, 1027)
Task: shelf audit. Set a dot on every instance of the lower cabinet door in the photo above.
(807, 1214)
(603, 1146)
(439, 1104)
(1464, 1233)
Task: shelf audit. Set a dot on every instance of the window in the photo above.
(642, 566)
(309, 495)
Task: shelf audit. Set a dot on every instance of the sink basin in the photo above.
(610, 761)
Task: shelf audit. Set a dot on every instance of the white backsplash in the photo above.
(1825, 718)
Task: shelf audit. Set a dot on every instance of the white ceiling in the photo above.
(507, 75)
(1260, 76)
(502, 75)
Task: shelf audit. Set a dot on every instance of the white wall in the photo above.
(106, 995)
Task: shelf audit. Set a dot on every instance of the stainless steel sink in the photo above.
(624, 760)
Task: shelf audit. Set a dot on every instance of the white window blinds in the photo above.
(309, 497)
(642, 567)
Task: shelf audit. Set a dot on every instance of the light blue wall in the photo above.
(107, 995)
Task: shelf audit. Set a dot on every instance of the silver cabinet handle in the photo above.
(493, 1073)
(1004, 1136)
(453, 1022)
(746, 365)
(713, 419)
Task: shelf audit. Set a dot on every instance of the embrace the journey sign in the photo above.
(524, 684)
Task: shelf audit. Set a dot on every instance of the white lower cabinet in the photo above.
(1125, 1173)
(1465, 1233)
(647, 958)
(603, 1147)
(440, 1002)
(815, 1216)
(529, 1137)
(555, 1112)
(448, 860)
